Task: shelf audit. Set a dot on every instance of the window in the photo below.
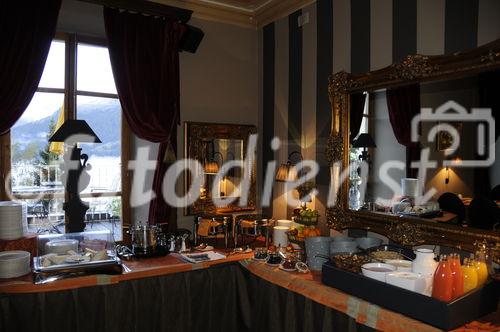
(77, 83)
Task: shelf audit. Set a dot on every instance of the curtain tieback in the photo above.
(169, 157)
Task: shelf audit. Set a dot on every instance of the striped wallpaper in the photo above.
(355, 36)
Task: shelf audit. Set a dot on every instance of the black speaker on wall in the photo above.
(192, 39)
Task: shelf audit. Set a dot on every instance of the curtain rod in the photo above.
(147, 7)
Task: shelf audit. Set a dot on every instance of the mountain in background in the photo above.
(103, 116)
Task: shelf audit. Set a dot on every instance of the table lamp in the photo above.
(75, 179)
(364, 141)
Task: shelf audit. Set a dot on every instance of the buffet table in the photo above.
(158, 294)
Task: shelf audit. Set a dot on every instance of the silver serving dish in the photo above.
(88, 266)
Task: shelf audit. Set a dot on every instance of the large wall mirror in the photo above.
(213, 145)
(376, 142)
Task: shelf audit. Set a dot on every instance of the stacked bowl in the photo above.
(11, 220)
(14, 263)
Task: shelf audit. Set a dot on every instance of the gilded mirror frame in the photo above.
(195, 133)
(413, 69)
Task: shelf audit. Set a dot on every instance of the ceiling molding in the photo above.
(245, 13)
(278, 9)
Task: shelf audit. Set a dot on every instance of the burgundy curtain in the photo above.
(26, 31)
(356, 114)
(144, 52)
(404, 104)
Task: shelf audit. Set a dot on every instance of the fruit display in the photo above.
(298, 234)
(306, 216)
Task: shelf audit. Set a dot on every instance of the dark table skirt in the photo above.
(221, 298)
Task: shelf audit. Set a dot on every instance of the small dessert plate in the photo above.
(281, 267)
(273, 264)
(259, 259)
(204, 248)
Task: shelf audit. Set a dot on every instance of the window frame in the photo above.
(70, 93)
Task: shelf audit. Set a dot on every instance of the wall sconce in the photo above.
(447, 178)
(457, 161)
(76, 179)
(286, 172)
(211, 166)
(364, 141)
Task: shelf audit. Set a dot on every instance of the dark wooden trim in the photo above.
(126, 174)
(147, 7)
(70, 78)
(91, 40)
(412, 69)
(96, 94)
(51, 90)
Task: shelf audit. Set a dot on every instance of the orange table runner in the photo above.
(310, 286)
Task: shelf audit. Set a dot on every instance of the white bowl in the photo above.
(377, 271)
(408, 280)
(401, 264)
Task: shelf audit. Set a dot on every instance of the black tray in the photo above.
(447, 316)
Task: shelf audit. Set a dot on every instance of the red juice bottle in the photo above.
(442, 288)
(458, 276)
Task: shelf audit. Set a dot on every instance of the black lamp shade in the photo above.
(75, 131)
(364, 141)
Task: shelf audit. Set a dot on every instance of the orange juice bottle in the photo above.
(458, 276)
(442, 288)
(470, 276)
(481, 269)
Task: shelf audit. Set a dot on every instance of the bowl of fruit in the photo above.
(307, 216)
(298, 234)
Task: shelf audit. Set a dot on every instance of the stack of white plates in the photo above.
(14, 263)
(11, 220)
(24, 218)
